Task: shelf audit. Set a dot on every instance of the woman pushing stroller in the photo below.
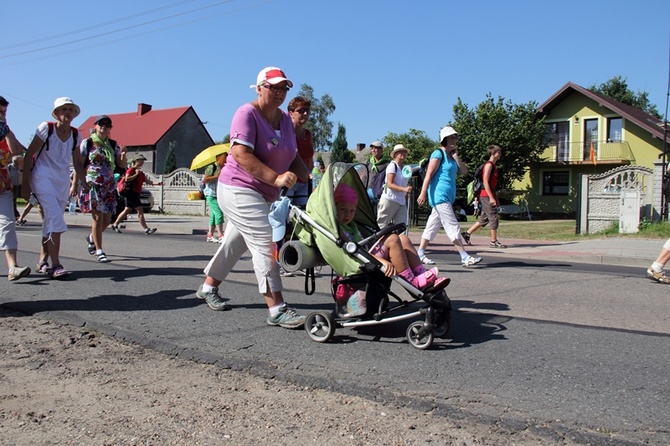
(395, 252)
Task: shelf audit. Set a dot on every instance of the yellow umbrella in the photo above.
(208, 156)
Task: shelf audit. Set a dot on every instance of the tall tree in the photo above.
(340, 151)
(514, 127)
(617, 89)
(170, 158)
(420, 145)
(319, 124)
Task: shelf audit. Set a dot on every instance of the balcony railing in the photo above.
(579, 152)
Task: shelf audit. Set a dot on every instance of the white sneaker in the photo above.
(471, 261)
(426, 261)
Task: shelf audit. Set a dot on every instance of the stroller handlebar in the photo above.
(399, 227)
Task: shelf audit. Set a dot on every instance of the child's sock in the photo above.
(408, 275)
(464, 255)
(421, 253)
(657, 267)
(418, 269)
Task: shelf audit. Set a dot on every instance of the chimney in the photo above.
(143, 109)
(360, 146)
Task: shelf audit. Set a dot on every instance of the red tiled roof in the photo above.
(135, 129)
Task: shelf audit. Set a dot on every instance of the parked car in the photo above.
(147, 200)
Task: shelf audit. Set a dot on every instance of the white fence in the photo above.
(172, 195)
(604, 196)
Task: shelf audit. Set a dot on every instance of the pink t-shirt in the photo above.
(275, 149)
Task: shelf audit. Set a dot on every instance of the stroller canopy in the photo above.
(321, 207)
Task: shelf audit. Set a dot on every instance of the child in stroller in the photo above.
(395, 252)
(337, 229)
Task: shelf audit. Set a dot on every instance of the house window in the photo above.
(558, 135)
(614, 128)
(556, 183)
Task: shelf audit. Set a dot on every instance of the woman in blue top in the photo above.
(439, 189)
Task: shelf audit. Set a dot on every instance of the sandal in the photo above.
(91, 246)
(58, 272)
(43, 268)
(102, 258)
(440, 284)
(424, 280)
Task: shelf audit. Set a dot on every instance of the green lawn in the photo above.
(562, 230)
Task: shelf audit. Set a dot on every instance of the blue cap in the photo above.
(278, 217)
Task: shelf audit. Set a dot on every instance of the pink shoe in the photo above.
(440, 282)
(424, 280)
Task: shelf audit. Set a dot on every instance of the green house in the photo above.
(587, 133)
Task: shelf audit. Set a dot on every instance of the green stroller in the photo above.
(360, 289)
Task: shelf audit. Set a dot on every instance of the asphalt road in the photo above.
(567, 350)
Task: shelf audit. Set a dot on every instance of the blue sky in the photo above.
(389, 65)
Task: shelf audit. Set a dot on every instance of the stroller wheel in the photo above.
(320, 326)
(418, 336)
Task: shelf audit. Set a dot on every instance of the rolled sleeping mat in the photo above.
(295, 256)
(194, 195)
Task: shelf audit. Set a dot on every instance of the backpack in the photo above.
(89, 145)
(423, 167)
(75, 135)
(201, 189)
(475, 186)
(379, 182)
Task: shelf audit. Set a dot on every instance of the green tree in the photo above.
(170, 158)
(420, 145)
(319, 124)
(226, 139)
(340, 151)
(617, 89)
(514, 127)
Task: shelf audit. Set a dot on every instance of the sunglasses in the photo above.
(302, 110)
(277, 88)
(105, 124)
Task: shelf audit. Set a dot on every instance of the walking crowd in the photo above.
(270, 150)
(41, 174)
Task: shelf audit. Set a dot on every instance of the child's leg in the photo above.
(410, 252)
(396, 252)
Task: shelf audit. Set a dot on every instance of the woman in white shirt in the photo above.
(47, 176)
(393, 202)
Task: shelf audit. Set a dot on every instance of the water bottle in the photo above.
(73, 206)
